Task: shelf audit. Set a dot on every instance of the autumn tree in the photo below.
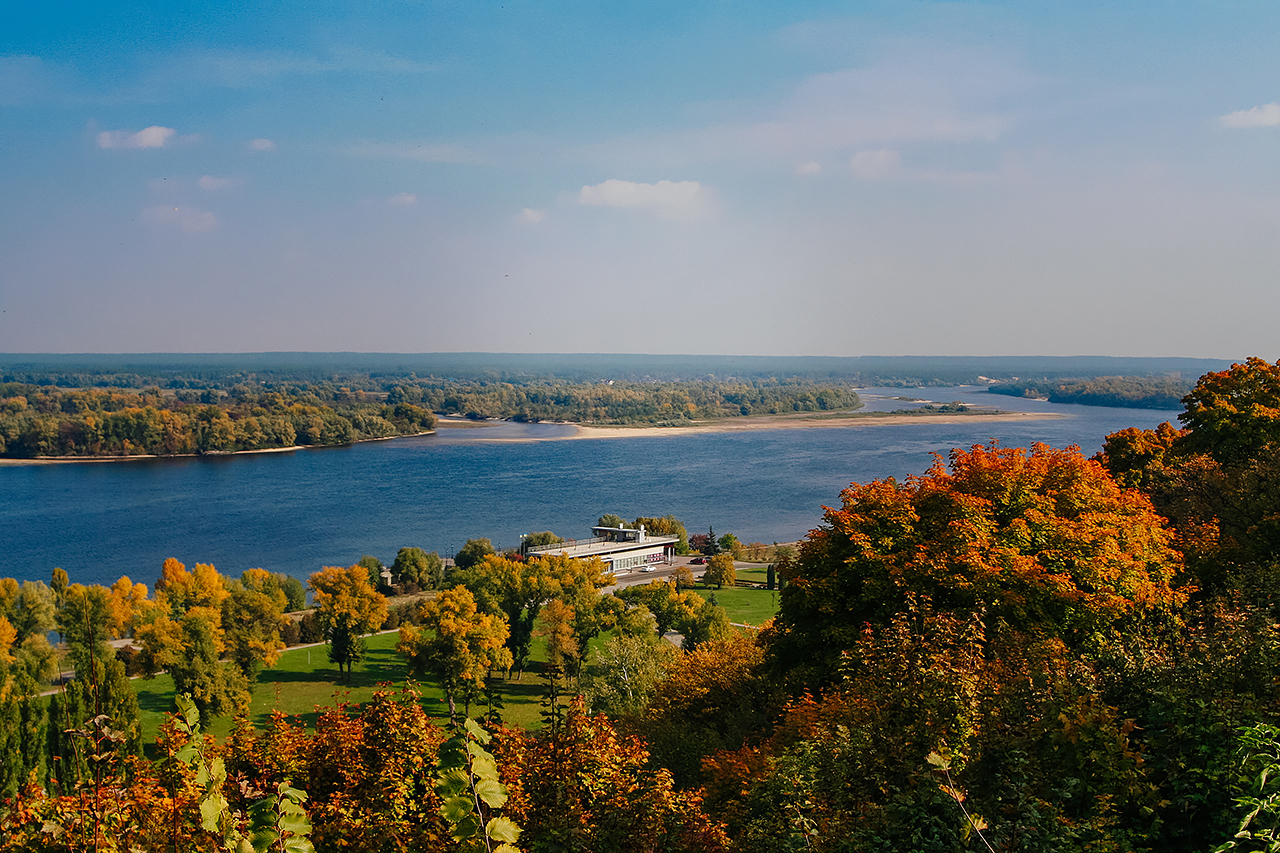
(555, 629)
(1043, 540)
(720, 571)
(668, 605)
(347, 608)
(252, 620)
(216, 687)
(456, 643)
(518, 590)
(585, 786)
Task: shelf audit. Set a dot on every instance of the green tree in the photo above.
(294, 592)
(413, 565)
(626, 671)
(347, 608)
(1234, 413)
(473, 551)
(610, 520)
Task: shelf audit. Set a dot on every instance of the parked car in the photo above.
(697, 561)
(648, 569)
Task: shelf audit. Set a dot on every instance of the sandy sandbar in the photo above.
(801, 421)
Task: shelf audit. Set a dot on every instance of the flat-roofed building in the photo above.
(622, 549)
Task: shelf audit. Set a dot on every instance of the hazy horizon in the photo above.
(813, 178)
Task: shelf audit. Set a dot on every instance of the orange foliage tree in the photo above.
(1043, 540)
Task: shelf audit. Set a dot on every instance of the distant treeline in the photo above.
(379, 371)
(45, 421)
(1135, 392)
(625, 402)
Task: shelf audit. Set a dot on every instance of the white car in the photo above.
(648, 569)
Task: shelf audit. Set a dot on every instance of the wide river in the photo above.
(295, 512)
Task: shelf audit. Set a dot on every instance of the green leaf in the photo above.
(477, 732)
(211, 810)
(454, 809)
(938, 761)
(296, 825)
(503, 829)
(298, 845)
(485, 767)
(492, 792)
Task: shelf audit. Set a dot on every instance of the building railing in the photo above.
(568, 543)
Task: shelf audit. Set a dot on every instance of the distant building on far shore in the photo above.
(620, 548)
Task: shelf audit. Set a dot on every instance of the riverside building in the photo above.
(620, 548)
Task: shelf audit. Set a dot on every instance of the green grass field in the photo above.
(304, 682)
(744, 606)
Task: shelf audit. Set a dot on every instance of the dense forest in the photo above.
(44, 420)
(1134, 392)
(1018, 649)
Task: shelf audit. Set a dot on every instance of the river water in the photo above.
(295, 512)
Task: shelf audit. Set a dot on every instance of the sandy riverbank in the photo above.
(802, 422)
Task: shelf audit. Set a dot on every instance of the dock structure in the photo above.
(621, 549)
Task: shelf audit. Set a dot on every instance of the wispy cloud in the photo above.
(402, 199)
(813, 167)
(150, 137)
(676, 199)
(422, 151)
(923, 94)
(236, 69)
(261, 145)
(213, 184)
(530, 216)
(879, 163)
(185, 219)
(1267, 115)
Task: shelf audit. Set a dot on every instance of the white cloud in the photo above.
(1267, 115)
(209, 182)
(261, 145)
(677, 199)
(185, 219)
(150, 137)
(810, 168)
(402, 199)
(529, 216)
(870, 165)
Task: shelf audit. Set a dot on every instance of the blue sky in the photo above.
(797, 178)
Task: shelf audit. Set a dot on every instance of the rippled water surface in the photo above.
(295, 512)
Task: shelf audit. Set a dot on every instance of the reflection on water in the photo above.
(298, 511)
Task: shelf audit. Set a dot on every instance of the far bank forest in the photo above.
(1018, 649)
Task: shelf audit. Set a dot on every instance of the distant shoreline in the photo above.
(60, 460)
(806, 420)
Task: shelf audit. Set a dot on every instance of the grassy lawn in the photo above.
(304, 680)
(745, 606)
